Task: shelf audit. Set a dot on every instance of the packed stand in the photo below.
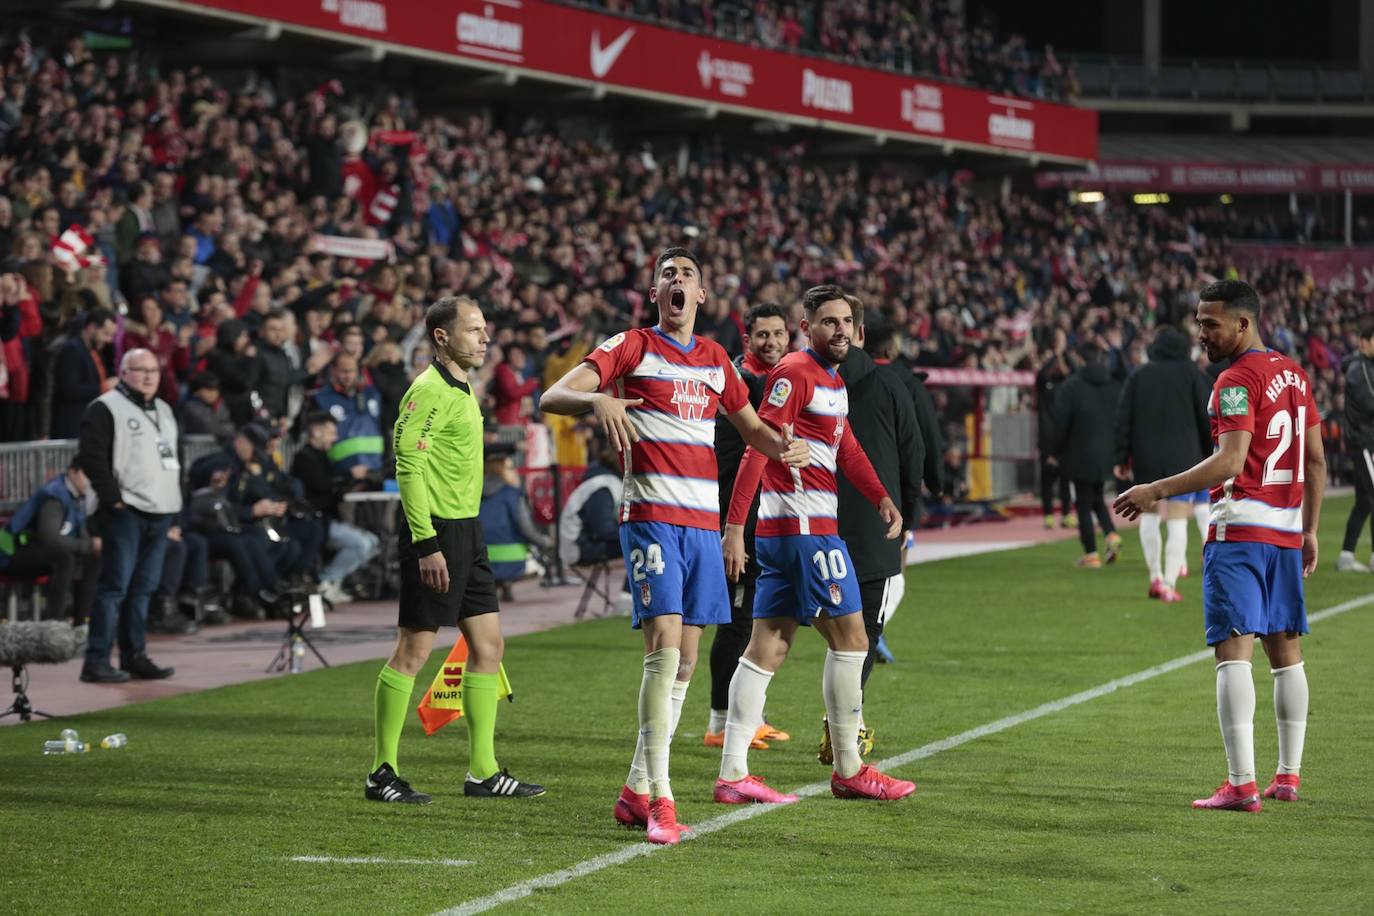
(275, 252)
(926, 38)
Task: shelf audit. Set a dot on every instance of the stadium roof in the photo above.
(1247, 149)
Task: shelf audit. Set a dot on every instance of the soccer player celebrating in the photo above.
(446, 578)
(669, 385)
(767, 342)
(804, 566)
(1266, 478)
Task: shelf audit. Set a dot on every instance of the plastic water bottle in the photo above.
(297, 655)
(69, 734)
(110, 742)
(60, 746)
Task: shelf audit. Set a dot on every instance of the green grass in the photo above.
(1085, 810)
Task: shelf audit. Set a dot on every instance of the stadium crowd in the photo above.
(929, 38)
(275, 252)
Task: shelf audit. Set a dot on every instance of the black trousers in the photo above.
(248, 556)
(871, 594)
(1091, 503)
(732, 638)
(1362, 470)
(186, 564)
(64, 568)
(1050, 475)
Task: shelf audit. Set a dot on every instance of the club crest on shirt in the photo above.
(836, 596)
(613, 342)
(644, 593)
(782, 390)
(1235, 402)
(715, 378)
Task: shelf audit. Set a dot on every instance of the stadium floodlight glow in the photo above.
(1088, 197)
(1227, 198)
(1149, 199)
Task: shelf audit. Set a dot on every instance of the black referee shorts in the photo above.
(471, 585)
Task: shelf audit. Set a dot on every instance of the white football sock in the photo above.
(1236, 714)
(649, 768)
(677, 697)
(748, 691)
(1290, 711)
(1175, 550)
(717, 723)
(1202, 514)
(1151, 543)
(843, 707)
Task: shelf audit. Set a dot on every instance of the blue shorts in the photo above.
(1251, 588)
(1201, 496)
(675, 570)
(801, 575)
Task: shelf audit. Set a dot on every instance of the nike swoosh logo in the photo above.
(603, 59)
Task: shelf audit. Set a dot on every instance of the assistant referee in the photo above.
(446, 577)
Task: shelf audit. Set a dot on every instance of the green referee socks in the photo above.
(479, 708)
(390, 702)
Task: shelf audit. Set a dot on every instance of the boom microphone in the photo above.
(46, 642)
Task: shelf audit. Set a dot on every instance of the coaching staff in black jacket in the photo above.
(882, 417)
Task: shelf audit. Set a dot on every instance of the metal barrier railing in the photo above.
(26, 466)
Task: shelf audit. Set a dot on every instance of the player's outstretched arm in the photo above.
(1226, 462)
(577, 393)
(1313, 488)
(778, 445)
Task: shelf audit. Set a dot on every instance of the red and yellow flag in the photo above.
(443, 702)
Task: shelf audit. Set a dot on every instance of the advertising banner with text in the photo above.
(1215, 177)
(537, 37)
(1336, 270)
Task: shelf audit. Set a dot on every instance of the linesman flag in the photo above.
(443, 701)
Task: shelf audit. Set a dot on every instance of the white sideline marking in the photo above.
(373, 860)
(744, 813)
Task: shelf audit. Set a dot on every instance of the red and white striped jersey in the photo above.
(670, 473)
(808, 393)
(1267, 394)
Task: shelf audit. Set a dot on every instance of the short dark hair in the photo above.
(817, 296)
(762, 310)
(203, 380)
(856, 305)
(274, 315)
(96, 317)
(1366, 328)
(443, 313)
(1238, 296)
(880, 336)
(676, 252)
(318, 418)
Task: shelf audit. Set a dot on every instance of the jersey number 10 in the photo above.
(1281, 428)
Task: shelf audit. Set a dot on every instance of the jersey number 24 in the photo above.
(652, 560)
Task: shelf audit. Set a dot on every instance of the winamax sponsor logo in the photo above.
(730, 77)
(357, 14)
(827, 93)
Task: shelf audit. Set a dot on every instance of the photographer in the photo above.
(48, 537)
(273, 501)
(324, 484)
(213, 515)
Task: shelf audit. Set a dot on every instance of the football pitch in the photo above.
(1057, 722)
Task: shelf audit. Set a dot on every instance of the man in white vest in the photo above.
(128, 449)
